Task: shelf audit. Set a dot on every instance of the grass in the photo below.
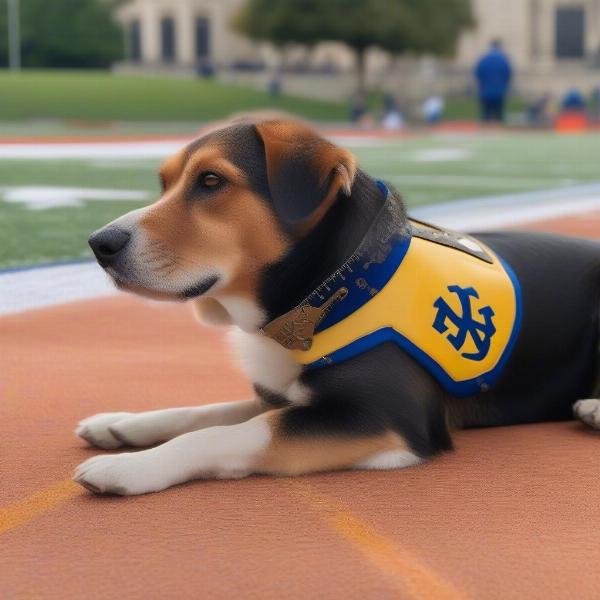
(465, 166)
(98, 96)
(86, 101)
(464, 108)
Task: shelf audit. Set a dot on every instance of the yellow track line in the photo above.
(18, 513)
(402, 568)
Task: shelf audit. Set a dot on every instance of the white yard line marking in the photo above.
(142, 149)
(96, 150)
(441, 155)
(43, 197)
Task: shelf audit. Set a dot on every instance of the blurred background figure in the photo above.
(392, 117)
(433, 109)
(539, 111)
(274, 86)
(573, 101)
(572, 116)
(358, 108)
(493, 73)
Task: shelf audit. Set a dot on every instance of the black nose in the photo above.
(107, 243)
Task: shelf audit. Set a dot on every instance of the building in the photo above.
(183, 34)
(553, 43)
(540, 34)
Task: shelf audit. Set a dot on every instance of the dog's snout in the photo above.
(108, 243)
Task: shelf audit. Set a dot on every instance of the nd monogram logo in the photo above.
(480, 332)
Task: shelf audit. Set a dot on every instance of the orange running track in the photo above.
(512, 513)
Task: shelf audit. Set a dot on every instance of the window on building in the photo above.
(167, 39)
(570, 31)
(202, 38)
(534, 29)
(135, 41)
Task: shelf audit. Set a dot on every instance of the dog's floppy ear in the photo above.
(305, 172)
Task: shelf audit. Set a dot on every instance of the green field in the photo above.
(425, 169)
(100, 96)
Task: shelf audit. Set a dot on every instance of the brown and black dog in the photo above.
(251, 219)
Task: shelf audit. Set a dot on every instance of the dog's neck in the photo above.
(314, 258)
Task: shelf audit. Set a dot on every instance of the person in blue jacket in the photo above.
(493, 73)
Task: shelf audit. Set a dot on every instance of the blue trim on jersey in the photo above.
(376, 275)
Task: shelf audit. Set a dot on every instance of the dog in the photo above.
(269, 228)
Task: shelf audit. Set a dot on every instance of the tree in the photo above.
(398, 26)
(65, 34)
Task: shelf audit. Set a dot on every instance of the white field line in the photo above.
(91, 150)
(441, 155)
(142, 149)
(472, 181)
(39, 197)
(52, 285)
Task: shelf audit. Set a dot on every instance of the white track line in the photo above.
(514, 209)
(48, 286)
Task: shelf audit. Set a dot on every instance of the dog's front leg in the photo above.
(222, 452)
(112, 430)
(260, 445)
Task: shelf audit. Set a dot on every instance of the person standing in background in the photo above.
(493, 73)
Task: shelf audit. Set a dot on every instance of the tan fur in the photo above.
(309, 454)
(234, 229)
(171, 169)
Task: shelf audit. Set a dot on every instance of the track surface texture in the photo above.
(511, 513)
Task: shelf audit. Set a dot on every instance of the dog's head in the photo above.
(233, 202)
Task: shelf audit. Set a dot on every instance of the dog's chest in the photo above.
(269, 365)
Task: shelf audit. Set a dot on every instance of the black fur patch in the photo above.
(313, 258)
(200, 288)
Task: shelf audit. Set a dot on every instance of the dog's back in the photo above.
(555, 359)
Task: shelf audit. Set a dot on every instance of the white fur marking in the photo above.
(298, 394)
(111, 430)
(243, 312)
(588, 411)
(390, 459)
(221, 452)
(265, 361)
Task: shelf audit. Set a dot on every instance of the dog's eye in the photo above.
(210, 180)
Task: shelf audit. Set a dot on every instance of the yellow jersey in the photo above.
(456, 313)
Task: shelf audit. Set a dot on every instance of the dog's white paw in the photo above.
(124, 474)
(112, 430)
(95, 430)
(588, 411)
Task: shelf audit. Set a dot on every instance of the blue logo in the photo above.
(479, 331)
